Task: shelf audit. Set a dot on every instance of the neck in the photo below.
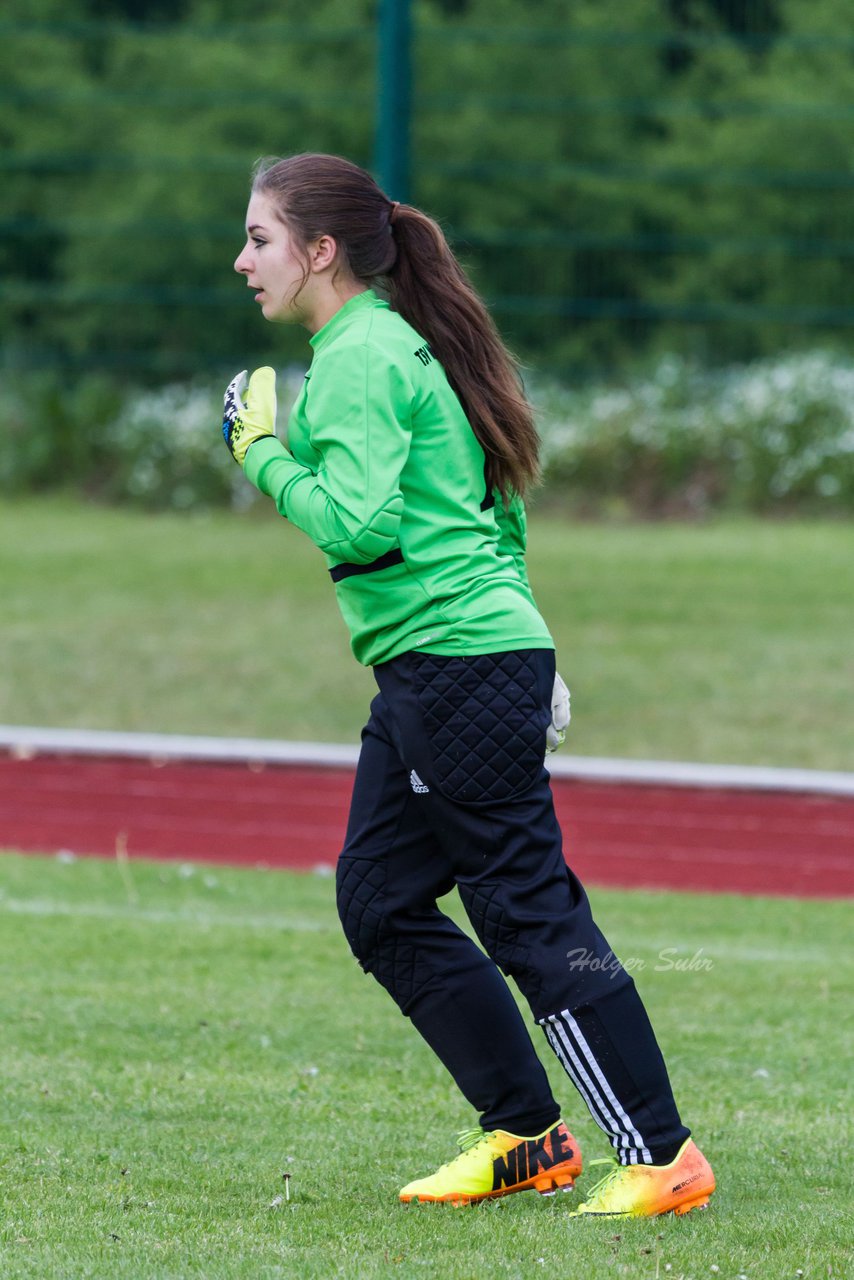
(330, 302)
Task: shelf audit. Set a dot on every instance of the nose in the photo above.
(241, 262)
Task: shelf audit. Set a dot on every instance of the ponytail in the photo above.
(429, 288)
(406, 251)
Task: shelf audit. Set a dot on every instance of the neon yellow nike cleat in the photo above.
(646, 1190)
(499, 1163)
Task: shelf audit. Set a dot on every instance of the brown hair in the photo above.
(406, 251)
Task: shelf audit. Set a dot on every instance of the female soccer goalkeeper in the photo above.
(407, 457)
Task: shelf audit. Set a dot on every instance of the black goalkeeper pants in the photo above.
(451, 790)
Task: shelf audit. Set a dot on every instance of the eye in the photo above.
(258, 242)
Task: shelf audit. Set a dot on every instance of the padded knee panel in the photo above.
(360, 885)
(392, 960)
(491, 924)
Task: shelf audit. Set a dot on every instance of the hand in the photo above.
(561, 716)
(251, 417)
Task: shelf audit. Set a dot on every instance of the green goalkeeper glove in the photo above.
(250, 417)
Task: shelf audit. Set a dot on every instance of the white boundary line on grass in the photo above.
(667, 951)
(46, 907)
(24, 741)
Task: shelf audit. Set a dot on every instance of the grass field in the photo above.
(176, 1039)
(723, 642)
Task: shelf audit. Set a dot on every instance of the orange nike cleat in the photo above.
(498, 1163)
(646, 1190)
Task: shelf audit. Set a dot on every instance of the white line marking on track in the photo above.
(344, 755)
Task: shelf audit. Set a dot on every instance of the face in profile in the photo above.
(272, 264)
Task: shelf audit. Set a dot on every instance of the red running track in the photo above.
(622, 834)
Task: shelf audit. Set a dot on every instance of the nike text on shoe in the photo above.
(498, 1163)
(646, 1190)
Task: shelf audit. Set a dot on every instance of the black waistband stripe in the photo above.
(350, 570)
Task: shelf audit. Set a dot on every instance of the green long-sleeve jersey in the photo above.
(384, 473)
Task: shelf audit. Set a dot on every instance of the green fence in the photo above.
(620, 180)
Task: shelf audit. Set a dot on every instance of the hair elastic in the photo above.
(395, 205)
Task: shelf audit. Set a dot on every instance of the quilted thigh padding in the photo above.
(485, 722)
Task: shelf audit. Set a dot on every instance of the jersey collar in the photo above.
(342, 318)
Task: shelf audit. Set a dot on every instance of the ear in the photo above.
(323, 253)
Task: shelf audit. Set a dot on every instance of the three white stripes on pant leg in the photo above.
(578, 1061)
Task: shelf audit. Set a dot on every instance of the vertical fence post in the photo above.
(394, 87)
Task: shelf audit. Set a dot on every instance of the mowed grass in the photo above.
(177, 1039)
(722, 642)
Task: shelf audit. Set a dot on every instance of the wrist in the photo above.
(261, 451)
